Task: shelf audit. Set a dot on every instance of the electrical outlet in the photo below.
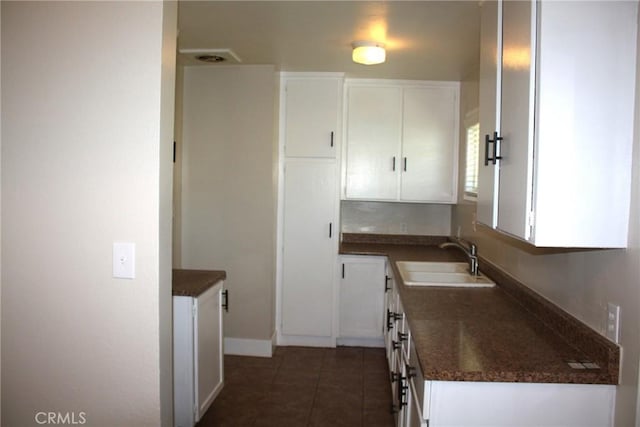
(613, 322)
(124, 260)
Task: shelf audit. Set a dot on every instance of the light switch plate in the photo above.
(613, 322)
(124, 260)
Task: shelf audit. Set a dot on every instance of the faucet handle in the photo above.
(473, 248)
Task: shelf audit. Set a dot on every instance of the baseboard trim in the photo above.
(306, 341)
(249, 347)
(360, 342)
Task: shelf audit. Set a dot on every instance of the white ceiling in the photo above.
(431, 40)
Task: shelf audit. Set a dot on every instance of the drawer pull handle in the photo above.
(411, 371)
(225, 303)
(487, 142)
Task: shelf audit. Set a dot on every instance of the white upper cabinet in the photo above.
(312, 107)
(429, 153)
(374, 131)
(489, 110)
(401, 141)
(565, 112)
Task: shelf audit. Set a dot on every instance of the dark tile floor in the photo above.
(302, 386)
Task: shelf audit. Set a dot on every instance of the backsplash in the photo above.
(417, 219)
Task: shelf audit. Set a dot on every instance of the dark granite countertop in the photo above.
(191, 283)
(501, 334)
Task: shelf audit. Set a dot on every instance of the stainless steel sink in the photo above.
(452, 274)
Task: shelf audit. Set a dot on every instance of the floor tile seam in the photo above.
(315, 393)
(363, 392)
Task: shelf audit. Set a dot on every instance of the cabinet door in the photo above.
(490, 85)
(361, 297)
(518, 74)
(208, 348)
(429, 145)
(374, 126)
(310, 230)
(312, 108)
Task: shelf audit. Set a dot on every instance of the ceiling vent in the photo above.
(208, 56)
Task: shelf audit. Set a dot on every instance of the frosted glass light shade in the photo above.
(368, 53)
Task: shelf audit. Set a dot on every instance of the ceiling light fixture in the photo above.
(368, 53)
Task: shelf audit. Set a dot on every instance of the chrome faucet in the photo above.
(469, 249)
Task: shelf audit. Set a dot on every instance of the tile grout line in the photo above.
(315, 391)
(363, 390)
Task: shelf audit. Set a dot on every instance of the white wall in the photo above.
(84, 163)
(580, 282)
(228, 190)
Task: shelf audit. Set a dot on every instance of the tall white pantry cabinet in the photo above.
(557, 84)
(310, 114)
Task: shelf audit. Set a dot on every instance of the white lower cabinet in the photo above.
(361, 299)
(419, 402)
(198, 365)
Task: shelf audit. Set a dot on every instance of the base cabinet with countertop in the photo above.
(501, 356)
(420, 401)
(198, 365)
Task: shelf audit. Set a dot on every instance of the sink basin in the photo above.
(453, 274)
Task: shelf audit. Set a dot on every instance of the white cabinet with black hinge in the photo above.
(361, 300)
(401, 141)
(198, 365)
(308, 227)
(556, 164)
